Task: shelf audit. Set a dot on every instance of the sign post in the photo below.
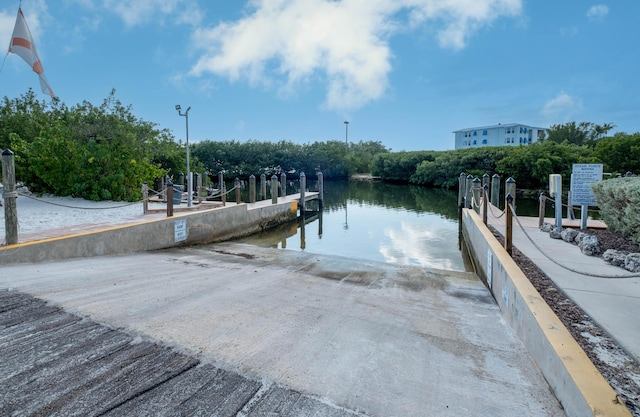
(582, 176)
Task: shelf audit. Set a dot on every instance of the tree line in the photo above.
(529, 165)
(105, 153)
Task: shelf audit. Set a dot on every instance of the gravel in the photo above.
(620, 369)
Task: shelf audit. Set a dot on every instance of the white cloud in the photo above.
(597, 12)
(563, 107)
(138, 12)
(345, 42)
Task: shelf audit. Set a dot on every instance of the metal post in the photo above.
(274, 189)
(283, 184)
(570, 215)
(584, 214)
(303, 186)
(252, 188)
(236, 185)
(346, 133)
(189, 178)
(508, 236)
(263, 187)
(10, 196)
(495, 190)
(558, 199)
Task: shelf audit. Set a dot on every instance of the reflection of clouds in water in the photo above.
(417, 244)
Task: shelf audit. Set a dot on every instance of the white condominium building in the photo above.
(511, 134)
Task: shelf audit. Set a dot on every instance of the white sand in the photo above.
(50, 212)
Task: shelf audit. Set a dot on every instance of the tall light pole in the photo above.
(189, 183)
(346, 133)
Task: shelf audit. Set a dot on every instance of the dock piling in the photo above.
(10, 196)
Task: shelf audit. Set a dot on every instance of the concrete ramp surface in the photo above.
(257, 331)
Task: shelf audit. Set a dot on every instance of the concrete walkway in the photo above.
(614, 303)
(362, 338)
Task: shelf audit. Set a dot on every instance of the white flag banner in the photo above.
(23, 46)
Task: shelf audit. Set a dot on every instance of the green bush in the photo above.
(619, 202)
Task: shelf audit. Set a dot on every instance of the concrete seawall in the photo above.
(188, 228)
(577, 383)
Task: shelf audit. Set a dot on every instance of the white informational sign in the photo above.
(180, 230)
(582, 177)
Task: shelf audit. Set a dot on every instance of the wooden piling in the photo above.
(236, 185)
(252, 188)
(10, 196)
(169, 199)
(283, 184)
(467, 193)
(320, 190)
(145, 198)
(462, 188)
(495, 190)
(508, 235)
(476, 191)
(303, 186)
(541, 209)
(485, 202)
(274, 189)
(510, 188)
(263, 187)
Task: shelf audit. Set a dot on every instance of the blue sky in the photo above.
(403, 72)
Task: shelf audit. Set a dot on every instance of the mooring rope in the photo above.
(76, 207)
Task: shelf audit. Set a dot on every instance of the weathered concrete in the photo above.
(56, 363)
(205, 226)
(376, 339)
(579, 386)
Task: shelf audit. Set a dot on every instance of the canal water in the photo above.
(371, 220)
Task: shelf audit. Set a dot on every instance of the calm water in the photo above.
(397, 224)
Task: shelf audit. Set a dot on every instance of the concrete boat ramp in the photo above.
(232, 329)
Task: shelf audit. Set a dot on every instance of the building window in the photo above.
(484, 141)
(475, 133)
(484, 133)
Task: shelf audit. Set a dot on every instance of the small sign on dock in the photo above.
(582, 177)
(180, 230)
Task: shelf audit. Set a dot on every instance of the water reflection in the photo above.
(390, 223)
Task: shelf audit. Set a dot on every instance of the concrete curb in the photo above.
(576, 382)
(190, 228)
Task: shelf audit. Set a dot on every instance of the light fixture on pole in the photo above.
(346, 133)
(189, 183)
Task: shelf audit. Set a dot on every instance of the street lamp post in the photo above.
(189, 183)
(346, 133)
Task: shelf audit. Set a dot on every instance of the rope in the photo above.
(502, 213)
(76, 207)
(563, 266)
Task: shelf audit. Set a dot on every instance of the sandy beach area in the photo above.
(41, 213)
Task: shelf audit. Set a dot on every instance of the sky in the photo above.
(406, 73)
